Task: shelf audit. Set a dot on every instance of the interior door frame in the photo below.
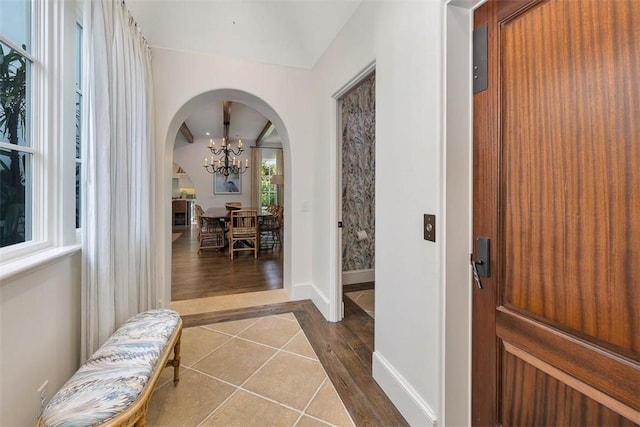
(458, 211)
(335, 292)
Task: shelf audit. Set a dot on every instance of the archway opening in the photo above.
(191, 160)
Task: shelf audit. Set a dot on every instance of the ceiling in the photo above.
(291, 33)
(246, 123)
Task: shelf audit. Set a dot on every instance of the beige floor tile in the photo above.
(198, 342)
(245, 409)
(288, 316)
(300, 345)
(166, 376)
(188, 403)
(310, 422)
(235, 360)
(272, 331)
(288, 379)
(327, 406)
(367, 300)
(233, 327)
(228, 302)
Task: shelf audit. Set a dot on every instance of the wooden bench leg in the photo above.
(142, 421)
(176, 360)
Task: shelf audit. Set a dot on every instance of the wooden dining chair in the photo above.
(199, 212)
(272, 225)
(243, 231)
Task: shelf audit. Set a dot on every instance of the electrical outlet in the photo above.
(43, 396)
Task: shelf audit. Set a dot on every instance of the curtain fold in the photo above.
(118, 262)
(256, 176)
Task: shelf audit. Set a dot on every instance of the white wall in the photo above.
(405, 41)
(282, 95)
(39, 336)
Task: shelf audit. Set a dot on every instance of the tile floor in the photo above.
(252, 372)
(365, 300)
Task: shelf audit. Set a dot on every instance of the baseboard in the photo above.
(321, 301)
(358, 276)
(301, 291)
(413, 407)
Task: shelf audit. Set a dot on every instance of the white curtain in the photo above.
(119, 264)
(256, 177)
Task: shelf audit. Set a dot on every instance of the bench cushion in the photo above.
(113, 378)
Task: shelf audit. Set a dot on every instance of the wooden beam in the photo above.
(226, 118)
(184, 130)
(265, 132)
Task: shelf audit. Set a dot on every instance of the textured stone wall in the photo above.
(358, 175)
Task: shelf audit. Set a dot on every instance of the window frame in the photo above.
(78, 82)
(273, 188)
(52, 120)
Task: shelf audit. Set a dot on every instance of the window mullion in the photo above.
(10, 43)
(20, 148)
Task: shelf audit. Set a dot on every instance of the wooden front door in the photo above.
(556, 326)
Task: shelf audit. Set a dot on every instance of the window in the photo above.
(269, 192)
(17, 148)
(38, 114)
(78, 121)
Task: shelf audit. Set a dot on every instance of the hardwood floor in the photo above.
(358, 287)
(212, 273)
(345, 350)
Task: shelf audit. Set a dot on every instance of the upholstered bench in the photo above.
(115, 385)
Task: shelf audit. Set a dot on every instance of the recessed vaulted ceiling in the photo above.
(290, 33)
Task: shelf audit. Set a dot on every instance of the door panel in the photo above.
(530, 397)
(556, 332)
(571, 191)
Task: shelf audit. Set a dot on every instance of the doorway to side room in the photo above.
(356, 192)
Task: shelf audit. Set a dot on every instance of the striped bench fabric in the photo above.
(115, 385)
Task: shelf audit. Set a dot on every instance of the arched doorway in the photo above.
(192, 106)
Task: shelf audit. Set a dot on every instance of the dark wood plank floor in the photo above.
(354, 287)
(345, 350)
(212, 273)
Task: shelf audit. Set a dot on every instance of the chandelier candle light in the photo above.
(225, 165)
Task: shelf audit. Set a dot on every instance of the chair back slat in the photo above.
(243, 227)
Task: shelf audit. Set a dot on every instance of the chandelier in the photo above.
(225, 164)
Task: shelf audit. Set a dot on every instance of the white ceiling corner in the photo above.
(283, 32)
(291, 33)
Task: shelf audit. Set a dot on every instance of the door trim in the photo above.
(457, 125)
(336, 306)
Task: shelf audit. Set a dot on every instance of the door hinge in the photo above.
(480, 59)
